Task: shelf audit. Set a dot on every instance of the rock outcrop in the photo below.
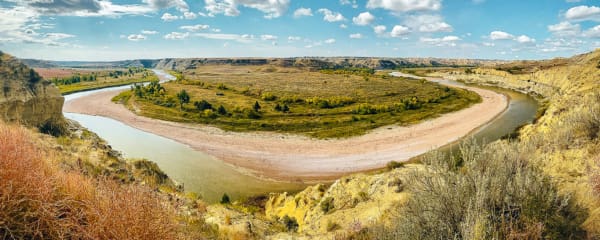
(26, 98)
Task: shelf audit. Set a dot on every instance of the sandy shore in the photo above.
(292, 157)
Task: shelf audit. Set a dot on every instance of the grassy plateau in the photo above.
(331, 103)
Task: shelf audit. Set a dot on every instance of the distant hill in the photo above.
(35, 63)
(307, 62)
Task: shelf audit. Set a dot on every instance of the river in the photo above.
(211, 178)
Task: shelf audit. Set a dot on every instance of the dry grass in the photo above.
(48, 73)
(39, 201)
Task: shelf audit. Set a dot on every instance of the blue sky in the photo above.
(132, 29)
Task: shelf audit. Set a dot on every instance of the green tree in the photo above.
(183, 97)
(285, 108)
(256, 106)
(278, 108)
(225, 199)
(221, 110)
(202, 105)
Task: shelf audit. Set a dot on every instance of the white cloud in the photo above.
(294, 38)
(330, 41)
(428, 23)
(177, 36)
(348, 2)
(167, 17)
(583, 13)
(136, 37)
(379, 29)
(593, 32)
(356, 36)
(268, 37)
(303, 12)
(271, 8)
(445, 41)
(399, 31)
(499, 35)
(565, 29)
(189, 15)
(488, 44)
(244, 38)
(343, 26)
(19, 25)
(399, 6)
(524, 39)
(58, 36)
(330, 16)
(162, 4)
(363, 19)
(194, 28)
(149, 32)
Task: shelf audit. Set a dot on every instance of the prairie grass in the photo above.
(40, 201)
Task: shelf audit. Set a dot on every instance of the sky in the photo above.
(105, 30)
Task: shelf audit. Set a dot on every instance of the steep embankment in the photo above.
(27, 98)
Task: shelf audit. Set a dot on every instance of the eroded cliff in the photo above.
(26, 97)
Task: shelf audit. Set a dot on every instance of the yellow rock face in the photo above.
(349, 204)
(26, 98)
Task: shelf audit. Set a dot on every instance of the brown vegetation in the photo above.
(39, 201)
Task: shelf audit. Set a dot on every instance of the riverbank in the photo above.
(291, 157)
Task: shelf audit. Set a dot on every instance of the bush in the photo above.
(291, 224)
(225, 199)
(393, 165)
(202, 105)
(327, 205)
(221, 110)
(332, 226)
(268, 96)
(38, 201)
(496, 194)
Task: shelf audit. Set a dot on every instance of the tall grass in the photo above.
(494, 192)
(40, 201)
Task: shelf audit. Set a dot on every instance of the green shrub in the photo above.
(291, 224)
(327, 205)
(222, 86)
(225, 199)
(202, 105)
(393, 165)
(221, 110)
(268, 96)
(332, 226)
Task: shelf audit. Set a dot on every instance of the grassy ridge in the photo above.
(327, 104)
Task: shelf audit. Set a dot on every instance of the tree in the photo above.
(225, 199)
(278, 107)
(256, 106)
(202, 105)
(285, 108)
(221, 110)
(183, 97)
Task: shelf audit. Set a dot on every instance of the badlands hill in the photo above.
(26, 97)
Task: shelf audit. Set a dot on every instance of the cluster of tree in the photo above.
(77, 78)
(153, 89)
(285, 108)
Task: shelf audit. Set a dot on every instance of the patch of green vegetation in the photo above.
(96, 80)
(327, 205)
(309, 103)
